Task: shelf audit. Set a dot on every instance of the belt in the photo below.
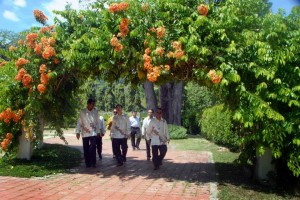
(135, 127)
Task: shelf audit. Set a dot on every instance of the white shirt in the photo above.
(145, 128)
(120, 127)
(88, 123)
(134, 122)
(158, 132)
(102, 125)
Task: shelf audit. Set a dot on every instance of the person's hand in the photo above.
(77, 136)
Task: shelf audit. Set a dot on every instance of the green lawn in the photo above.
(233, 184)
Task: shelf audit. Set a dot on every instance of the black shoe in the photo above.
(133, 148)
(138, 148)
(100, 157)
(156, 168)
(124, 159)
(119, 164)
(148, 159)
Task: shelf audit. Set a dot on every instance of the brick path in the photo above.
(183, 175)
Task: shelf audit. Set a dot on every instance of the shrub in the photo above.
(216, 126)
(177, 132)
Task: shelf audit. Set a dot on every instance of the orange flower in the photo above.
(160, 32)
(147, 58)
(160, 51)
(2, 63)
(170, 54)
(145, 7)
(27, 80)
(216, 79)
(147, 51)
(20, 42)
(151, 77)
(12, 48)
(51, 41)
(48, 52)
(179, 53)
(115, 7)
(38, 49)
(43, 68)
(20, 74)
(55, 61)
(21, 61)
(167, 67)
(176, 45)
(212, 73)
(9, 136)
(41, 88)
(119, 47)
(30, 39)
(202, 9)
(148, 66)
(44, 29)
(39, 16)
(44, 78)
(114, 41)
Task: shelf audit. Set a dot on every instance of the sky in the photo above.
(17, 15)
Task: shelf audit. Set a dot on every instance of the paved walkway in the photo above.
(183, 175)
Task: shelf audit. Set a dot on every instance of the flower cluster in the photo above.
(117, 7)
(9, 115)
(30, 40)
(214, 77)
(39, 16)
(160, 32)
(21, 62)
(123, 28)
(12, 48)
(178, 51)
(202, 9)
(115, 43)
(145, 7)
(2, 63)
(6, 141)
(44, 79)
(153, 72)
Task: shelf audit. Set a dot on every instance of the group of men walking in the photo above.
(92, 128)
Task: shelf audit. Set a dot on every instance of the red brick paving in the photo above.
(183, 175)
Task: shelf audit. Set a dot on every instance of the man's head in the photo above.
(158, 114)
(90, 104)
(150, 113)
(134, 113)
(119, 108)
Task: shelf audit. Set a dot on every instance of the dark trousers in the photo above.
(148, 148)
(158, 153)
(89, 150)
(118, 145)
(135, 131)
(99, 146)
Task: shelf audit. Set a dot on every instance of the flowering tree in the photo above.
(237, 47)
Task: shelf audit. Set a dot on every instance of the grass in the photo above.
(51, 159)
(233, 184)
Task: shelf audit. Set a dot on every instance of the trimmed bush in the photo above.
(216, 126)
(177, 132)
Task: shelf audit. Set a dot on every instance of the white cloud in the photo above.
(21, 3)
(10, 16)
(60, 5)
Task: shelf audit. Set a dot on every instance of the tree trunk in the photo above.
(151, 100)
(171, 101)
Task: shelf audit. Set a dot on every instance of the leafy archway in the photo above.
(237, 47)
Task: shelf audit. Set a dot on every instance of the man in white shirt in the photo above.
(145, 129)
(159, 135)
(135, 130)
(99, 137)
(88, 126)
(120, 131)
